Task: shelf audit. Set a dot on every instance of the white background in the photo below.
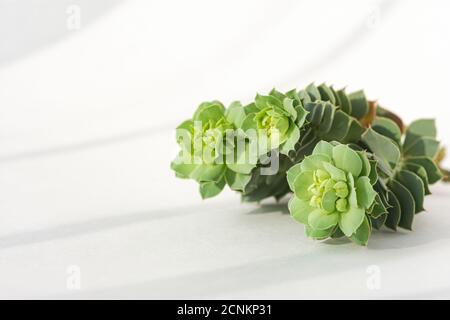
(87, 114)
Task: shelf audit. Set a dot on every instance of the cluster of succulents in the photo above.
(350, 164)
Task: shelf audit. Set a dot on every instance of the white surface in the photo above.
(86, 139)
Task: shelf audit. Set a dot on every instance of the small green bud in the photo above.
(329, 184)
(322, 175)
(341, 205)
(315, 201)
(341, 189)
(323, 185)
(316, 191)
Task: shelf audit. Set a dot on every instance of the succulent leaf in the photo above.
(388, 128)
(359, 103)
(415, 186)
(407, 204)
(383, 147)
(330, 180)
(362, 234)
(393, 218)
(419, 128)
(433, 172)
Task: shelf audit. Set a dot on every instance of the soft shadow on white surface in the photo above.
(86, 145)
(225, 281)
(299, 266)
(96, 225)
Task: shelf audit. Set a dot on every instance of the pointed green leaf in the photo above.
(359, 103)
(383, 147)
(336, 97)
(378, 208)
(314, 162)
(235, 114)
(209, 111)
(366, 168)
(242, 162)
(344, 101)
(183, 170)
(421, 173)
(415, 186)
(313, 92)
(324, 147)
(335, 173)
(300, 209)
(301, 184)
(207, 172)
(394, 212)
(388, 128)
(293, 94)
(318, 234)
(373, 176)
(326, 94)
(237, 181)
(354, 132)
(423, 147)
(211, 189)
(407, 204)
(419, 128)
(316, 111)
(433, 172)
(339, 128)
(292, 173)
(277, 94)
(361, 236)
(364, 192)
(249, 122)
(301, 116)
(337, 233)
(187, 125)
(321, 220)
(350, 221)
(304, 97)
(377, 223)
(263, 102)
(327, 119)
(288, 105)
(293, 137)
(347, 159)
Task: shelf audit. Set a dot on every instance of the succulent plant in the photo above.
(352, 165)
(204, 141)
(277, 121)
(333, 192)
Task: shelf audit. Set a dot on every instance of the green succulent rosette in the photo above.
(333, 192)
(276, 120)
(206, 142)
(272, 125)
